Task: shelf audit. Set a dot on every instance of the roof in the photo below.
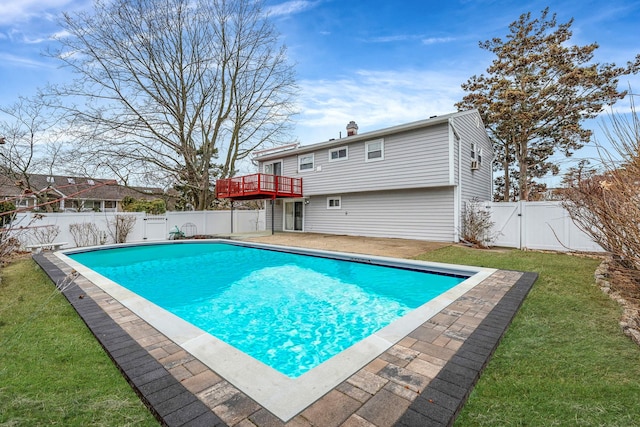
(293, 149)
(77, 187)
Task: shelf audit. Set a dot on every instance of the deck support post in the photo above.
(231, 216)
(273, 203)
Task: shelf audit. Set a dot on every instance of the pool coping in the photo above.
(434, 398)
(258, 380)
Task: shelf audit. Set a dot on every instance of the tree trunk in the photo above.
(507, 184)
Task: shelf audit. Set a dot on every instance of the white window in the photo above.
(51, 180)
(91, 182)
(305, 162)
(374, 150)
(334, 202)
(71, 180)
(341, 153)
(476, 153)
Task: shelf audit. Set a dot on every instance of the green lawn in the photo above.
(564, 360)
(52, 370)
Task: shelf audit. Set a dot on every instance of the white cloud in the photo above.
(391, 39)
(374, 99)
(12, 11)
(22, 61)
(435, 40)
(291, 7)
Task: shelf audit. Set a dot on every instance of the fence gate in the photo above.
(507, 218)
(155, 227)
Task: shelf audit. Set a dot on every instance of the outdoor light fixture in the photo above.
(3, 140)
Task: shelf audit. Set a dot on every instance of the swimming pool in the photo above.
(294, 391)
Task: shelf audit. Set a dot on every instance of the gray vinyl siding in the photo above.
(422, 214)
(278, 211)
(475, 183)
(413, 159)
(418, 191)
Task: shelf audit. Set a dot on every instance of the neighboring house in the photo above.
(408, 181)
(70, 194)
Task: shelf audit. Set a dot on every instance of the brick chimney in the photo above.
(352, 128)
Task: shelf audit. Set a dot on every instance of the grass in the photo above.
(52, 370)
(564, 360)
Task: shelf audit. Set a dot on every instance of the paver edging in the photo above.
(442, 396)
(171, 404)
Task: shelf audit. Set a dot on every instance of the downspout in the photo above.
(458, 188)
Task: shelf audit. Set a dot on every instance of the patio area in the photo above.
(422, 380)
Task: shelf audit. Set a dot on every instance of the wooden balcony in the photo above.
(258, 186)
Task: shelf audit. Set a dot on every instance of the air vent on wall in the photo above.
(474, 165)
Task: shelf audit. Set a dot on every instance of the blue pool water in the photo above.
(290, 311)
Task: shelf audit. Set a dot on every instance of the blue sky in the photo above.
(378, 62)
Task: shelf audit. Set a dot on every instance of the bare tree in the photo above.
(166, 87)
(31, 143)
(605, 202)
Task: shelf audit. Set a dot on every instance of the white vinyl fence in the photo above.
(31, 228)
(537, 225)
(522, 225)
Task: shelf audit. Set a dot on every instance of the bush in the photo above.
(87, 234)
(153, 207)
(5, 217)
(120, 226)
(605, 203)
(477, 225)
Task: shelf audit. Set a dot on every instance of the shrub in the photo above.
(477, 225)
(153, 207)
(120, 226)
(87, 234)
(605, 203)
(6, 217)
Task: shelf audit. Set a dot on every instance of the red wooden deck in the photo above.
(258, 186)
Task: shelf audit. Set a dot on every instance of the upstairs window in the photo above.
(476, 152)
(476, 156)
(374, 150)
(305, 162)
(338, 154)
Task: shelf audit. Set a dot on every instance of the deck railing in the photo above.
(258, 185)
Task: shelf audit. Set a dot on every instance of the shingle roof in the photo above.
(78, 188)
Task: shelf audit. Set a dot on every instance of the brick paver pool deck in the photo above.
(423, 380)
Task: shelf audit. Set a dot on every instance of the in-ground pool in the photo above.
(312, 317)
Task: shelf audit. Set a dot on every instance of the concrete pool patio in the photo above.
(422, 380)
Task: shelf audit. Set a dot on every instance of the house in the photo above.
(70, 194)
(407, 181)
